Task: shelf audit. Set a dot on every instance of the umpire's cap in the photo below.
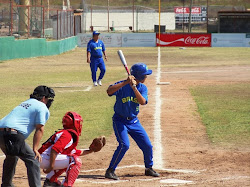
(42, 90)
(139, 71)
(96, 33)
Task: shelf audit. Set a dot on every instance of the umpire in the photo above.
(30, 115)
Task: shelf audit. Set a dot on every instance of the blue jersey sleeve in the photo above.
(118, 91)
(103, 47)
(144, 92)
(88, 46)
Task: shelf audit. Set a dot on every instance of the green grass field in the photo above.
(19, 77)
(225, 110)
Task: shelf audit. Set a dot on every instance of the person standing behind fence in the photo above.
(95, 49)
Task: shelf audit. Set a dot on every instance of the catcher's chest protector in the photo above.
(55, 137)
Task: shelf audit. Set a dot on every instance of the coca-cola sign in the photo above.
(202, 40)
(186, 10)
(182, 40)
(181, 10)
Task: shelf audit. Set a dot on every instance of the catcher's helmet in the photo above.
(73, 120)
(139, 71)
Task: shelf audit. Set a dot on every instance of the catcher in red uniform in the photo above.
(59, 153)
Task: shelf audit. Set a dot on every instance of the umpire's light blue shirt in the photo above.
(26, 116)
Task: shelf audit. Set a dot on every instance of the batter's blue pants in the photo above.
(122, 128)
(97, 63)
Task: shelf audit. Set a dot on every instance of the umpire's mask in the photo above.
(42, 91)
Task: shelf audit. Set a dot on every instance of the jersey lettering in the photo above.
(128, 99)
(25, 105)
(96, 48)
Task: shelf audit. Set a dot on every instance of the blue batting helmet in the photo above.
(139, 71)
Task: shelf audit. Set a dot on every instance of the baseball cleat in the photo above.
(110, 174)
(151, 172)
(95, 83)
(99, 82)
(47, 183)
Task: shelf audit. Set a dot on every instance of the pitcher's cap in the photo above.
(96, 33)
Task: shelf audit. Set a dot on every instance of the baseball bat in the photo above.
(123, 60)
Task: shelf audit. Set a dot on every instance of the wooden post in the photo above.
(190, 17)
(159, 32)
(183, 26)
(24, 18)
(108, 15)
(133, 15)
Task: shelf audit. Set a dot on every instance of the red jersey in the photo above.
(63, 142)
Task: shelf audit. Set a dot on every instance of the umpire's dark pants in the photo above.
(9, 165)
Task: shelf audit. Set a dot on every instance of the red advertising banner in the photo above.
(184, 40)
(186, 10)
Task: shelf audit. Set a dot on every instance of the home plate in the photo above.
(175, 181)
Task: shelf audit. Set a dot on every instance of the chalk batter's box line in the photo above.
(83, 90)
(142, 166)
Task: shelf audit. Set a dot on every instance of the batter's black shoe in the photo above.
(110, 174)
(151, 172)
(47, 183)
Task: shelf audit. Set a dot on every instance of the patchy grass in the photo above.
(197, 57)
(225, 110)
(20, 76)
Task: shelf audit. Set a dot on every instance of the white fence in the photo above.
(122, 21)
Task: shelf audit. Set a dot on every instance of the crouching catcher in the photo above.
(59, 153)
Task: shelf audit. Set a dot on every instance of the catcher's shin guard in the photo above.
(73, 171)
(56, 174)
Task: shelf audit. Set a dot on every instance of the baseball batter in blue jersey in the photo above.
(130, 94)
(95, 49)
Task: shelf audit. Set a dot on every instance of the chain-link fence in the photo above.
(4, 18)
(42, 20)
(24, 21)
(176, 15)
(59, 23)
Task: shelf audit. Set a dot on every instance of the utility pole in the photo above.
(190, 17)
(108, 15)
(48, 10)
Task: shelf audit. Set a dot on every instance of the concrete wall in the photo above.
(230, 40)
(121, 21)
(120, 39)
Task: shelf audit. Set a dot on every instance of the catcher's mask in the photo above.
(72, 120)
(41, 91)
(140, 70)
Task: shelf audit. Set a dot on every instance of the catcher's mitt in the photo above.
(97, 144)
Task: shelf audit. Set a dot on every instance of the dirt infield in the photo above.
(188, 157)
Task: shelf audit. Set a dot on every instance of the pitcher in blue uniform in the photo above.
(130, 94)
(95, 49)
